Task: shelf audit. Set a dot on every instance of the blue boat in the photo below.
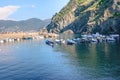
(49, 42)
(27, 38)
(70, 42)
(77, 40)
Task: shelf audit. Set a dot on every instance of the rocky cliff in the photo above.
(87, 16)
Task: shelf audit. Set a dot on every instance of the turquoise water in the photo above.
(34, 60)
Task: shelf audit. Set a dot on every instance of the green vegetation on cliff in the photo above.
(87, 16)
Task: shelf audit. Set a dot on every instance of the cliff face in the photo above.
(87, 16)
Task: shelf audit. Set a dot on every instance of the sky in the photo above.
(25, 9)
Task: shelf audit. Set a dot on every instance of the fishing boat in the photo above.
(2, 41)
(27, 38)
(77, 40)
(94, 40)
(49, 42)
(70, 42)
(59, 41)
(110, 39)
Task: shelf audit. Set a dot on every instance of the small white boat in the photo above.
(41, 37)
(2, 41)
(11, 40)
(59, 41)
(110, 39)
(18, 39)
(94, 40)
(114, 35)
(77, 40)
(84, 36)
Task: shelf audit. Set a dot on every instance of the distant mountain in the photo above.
(87, 16)
(32, 24)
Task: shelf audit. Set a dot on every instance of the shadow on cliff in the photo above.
(79, 25)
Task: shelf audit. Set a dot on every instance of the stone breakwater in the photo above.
(20, 36)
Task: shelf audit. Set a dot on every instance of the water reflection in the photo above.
(99, 59)
(34, 60)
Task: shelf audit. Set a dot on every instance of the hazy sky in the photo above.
(24, 9)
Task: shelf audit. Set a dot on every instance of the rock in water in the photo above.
(68, 32)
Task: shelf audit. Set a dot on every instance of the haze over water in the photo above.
(34, 60)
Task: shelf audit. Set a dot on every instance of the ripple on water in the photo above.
(36, 61)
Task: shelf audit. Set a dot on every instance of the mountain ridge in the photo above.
(32, 24)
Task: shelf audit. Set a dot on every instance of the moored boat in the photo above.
(110, 39)
(27, 38)
(94, 40)
(49, 42)
(59, 41)
(2, 41)
(70, 42)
